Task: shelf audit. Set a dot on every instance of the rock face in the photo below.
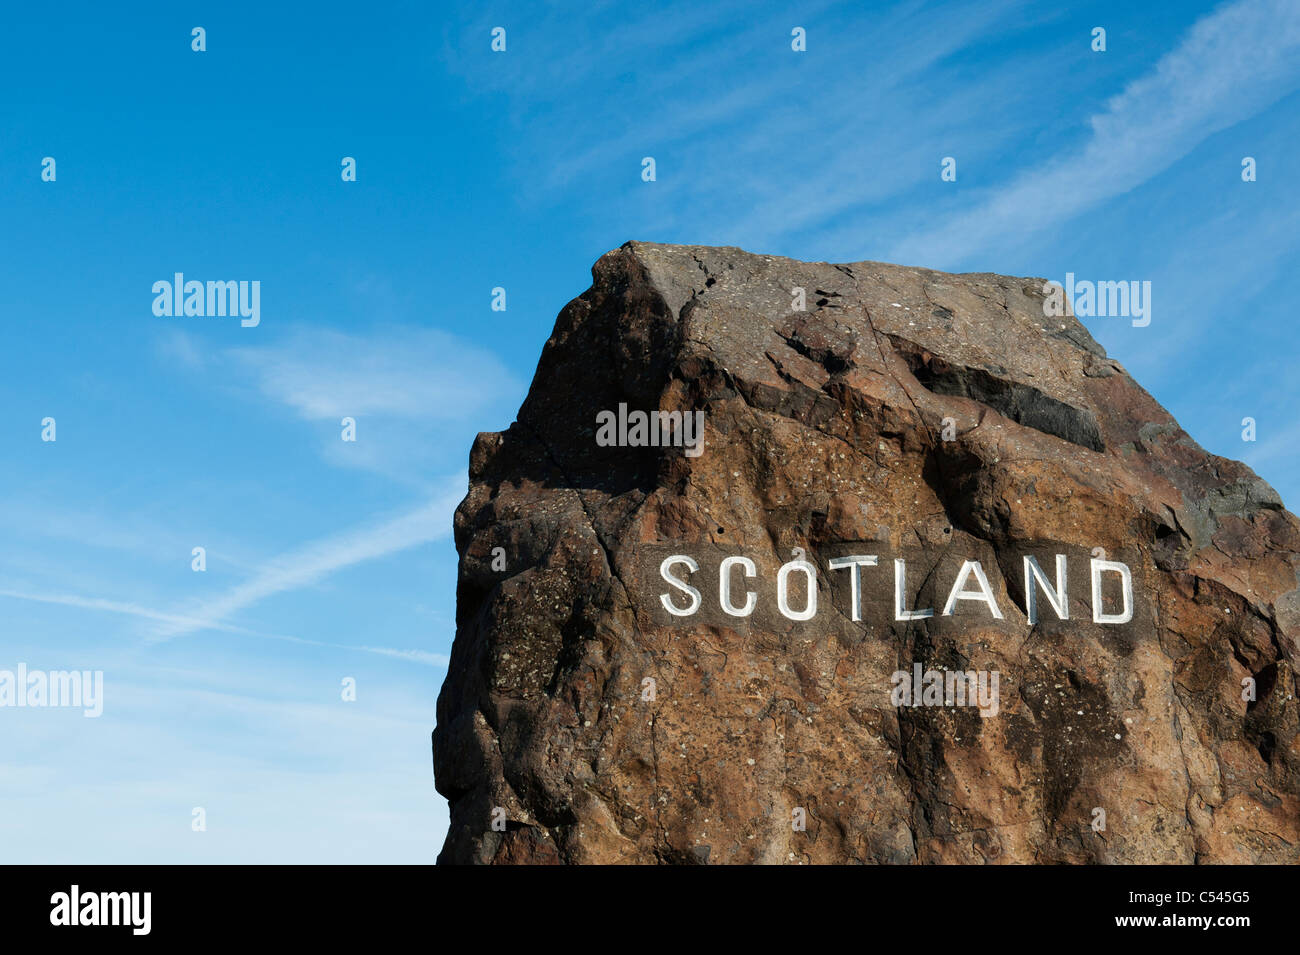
(596, 711)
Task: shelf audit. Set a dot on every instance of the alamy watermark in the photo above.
(82, 689)
(924, 687)
(211, 299)
(651, 429)
(1084, 299)
(129, 909)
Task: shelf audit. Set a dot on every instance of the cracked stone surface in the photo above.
(825, 430)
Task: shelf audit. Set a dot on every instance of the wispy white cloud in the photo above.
(417, 656)
(415, 373)
(294, 570)
(1232, 64)
(176, 347)
(66, 512)
(189, 624)
(307, 565)
(755, 144)
(113, 606)
(272, 761)
(1275, 451)
(413, 393)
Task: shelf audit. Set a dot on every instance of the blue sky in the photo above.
(329, 559)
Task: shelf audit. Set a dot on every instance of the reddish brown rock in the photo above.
(904, 414)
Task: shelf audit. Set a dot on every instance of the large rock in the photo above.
(905, 414)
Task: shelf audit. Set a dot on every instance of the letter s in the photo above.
(679, 584)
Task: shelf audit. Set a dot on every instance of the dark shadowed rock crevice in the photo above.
(902, 413)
